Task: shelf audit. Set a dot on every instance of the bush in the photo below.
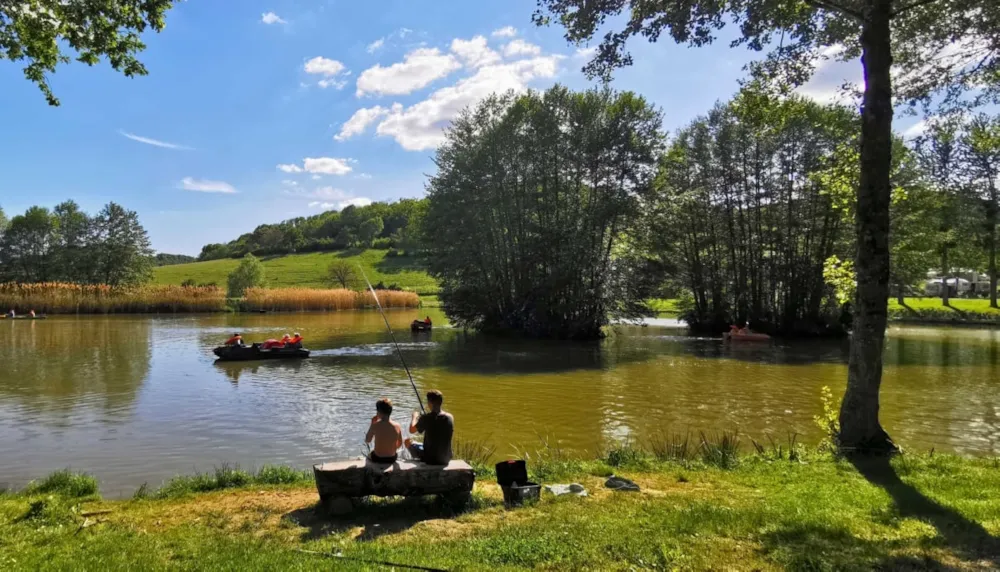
(382, 243)
(281, 475)
(188, 283)
(249, 274)
(66, 483)
(343, 274)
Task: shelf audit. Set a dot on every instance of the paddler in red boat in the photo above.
(236, 340)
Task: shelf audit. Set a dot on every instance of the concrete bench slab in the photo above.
(340, 483)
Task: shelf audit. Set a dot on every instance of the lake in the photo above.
(139, 399)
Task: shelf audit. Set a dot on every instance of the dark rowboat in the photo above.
(419, 326)
(254, 352)
(7, 317)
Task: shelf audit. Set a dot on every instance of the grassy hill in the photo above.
(308, 270)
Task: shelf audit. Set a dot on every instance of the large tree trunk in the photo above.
(860, 429)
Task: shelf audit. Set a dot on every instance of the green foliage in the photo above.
(163, 259)
(249, 274)
(377, 224)
(65, 483)
(829, 420)
(839, 275)
(68, 245)
(230, 477)
(720, 450)
(343, 274)
(534, 213)
(37, 31)
(281, 475)
(749, 244)
(479, 453)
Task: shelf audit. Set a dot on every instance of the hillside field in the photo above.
(308, 270)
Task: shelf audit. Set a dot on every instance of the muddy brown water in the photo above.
(138, 399)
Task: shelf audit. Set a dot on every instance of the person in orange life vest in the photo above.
(236, 340)
(427, 320)
(296, 341)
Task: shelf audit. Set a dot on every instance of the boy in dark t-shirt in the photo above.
(438, 427)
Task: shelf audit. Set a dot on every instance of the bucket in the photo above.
(512, 476)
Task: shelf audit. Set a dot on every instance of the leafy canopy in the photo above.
(35, 31)
(948, 48)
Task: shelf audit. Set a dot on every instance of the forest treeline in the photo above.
(68, 245)
(557, 212)
(379, 225)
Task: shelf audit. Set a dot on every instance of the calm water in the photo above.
(139, 399)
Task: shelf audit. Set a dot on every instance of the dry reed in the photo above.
(311, 299)
(65, 298)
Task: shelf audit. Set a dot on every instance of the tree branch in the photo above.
(915, 4)
(834, 7)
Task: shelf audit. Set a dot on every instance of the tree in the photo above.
(341, 273)
(532, 206)
(945, 47)
(369, 230)
(36, 31)
(26, 249)
(981, 153)
(123, 251)
(74, 255)
(249, 274)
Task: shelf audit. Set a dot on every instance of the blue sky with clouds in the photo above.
(255, 112)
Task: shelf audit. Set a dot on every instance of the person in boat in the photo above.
(31, 313)
(296, 341)
(386, 433)
(285, 340)
(745, 330)
(11, 313)
(236, 340)
(437, 426)
(427, 320)
(734, 329)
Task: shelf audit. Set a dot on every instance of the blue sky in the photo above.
(255, 112)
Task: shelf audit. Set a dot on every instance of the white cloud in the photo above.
(418, 69)
(320, 166)
(206, 186)
(327, 165)
(519, 47)
(357, 202)
(272, 18)
(403, 32)
(505, 32)
(474, 53)
(336, 84)
(290, 183)
(321, 205)
(374, 46)
(329, 197)
(421, 125)
(324, 67)
(586, 53)
(358, 122)
(154, 142)
(363, 176)
(916, 130)
(316, 177)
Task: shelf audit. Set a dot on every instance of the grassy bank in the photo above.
(699, 510)
(308, 270)
(931, 310)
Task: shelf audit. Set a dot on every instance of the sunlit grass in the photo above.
(308, 270)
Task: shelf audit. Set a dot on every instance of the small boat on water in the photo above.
(255, 352)
(420, 326)
(751, 337)
(8, 317)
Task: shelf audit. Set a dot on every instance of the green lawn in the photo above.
(757, 512)
(308, 270)
(957, 305)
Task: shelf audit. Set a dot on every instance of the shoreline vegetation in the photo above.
(59, 298)
(705, 503)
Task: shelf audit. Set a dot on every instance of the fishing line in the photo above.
(399, 352)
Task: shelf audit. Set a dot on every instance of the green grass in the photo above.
(763, 512)
(308, 270)
(931, 309)
(663, 306)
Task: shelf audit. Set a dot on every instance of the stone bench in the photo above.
(341, 483)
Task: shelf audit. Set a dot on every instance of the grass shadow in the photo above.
(821, 547)
(351, 252)
(381, 517)
(965, 537)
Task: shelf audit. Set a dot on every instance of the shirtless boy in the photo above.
(388, 435)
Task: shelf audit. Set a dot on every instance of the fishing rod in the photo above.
(393, 336)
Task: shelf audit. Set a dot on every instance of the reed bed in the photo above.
(314, 299)
(65, 298)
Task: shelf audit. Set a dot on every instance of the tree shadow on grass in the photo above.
(382, 517)
(821, 547)
(965, 537)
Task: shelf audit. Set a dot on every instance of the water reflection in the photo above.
(140, 399)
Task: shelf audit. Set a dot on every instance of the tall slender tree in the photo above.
(935, 47)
